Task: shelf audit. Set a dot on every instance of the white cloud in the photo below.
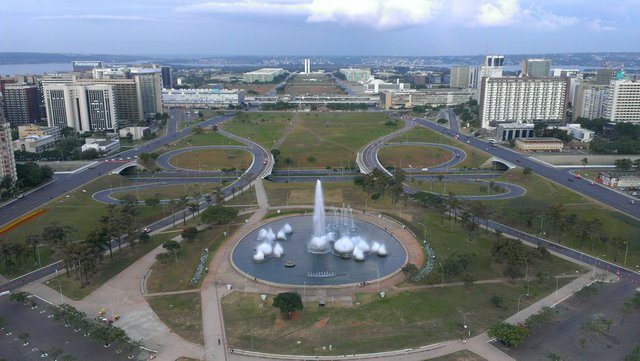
(391, 14)
(96, 17)
(596, 26)
(497, 13)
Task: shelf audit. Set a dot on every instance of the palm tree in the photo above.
(182, 204)
(193, 208)
(208, 199)
(32, 241)
(172, 205)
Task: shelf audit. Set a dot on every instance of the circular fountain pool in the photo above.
(318, 269)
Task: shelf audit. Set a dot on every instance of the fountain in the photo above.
(331, 248)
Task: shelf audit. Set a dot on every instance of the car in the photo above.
(146, 230)
(478, 180)
(264, 162)
(519, 160)
(570, 179)
(632, 202)
(20, 196)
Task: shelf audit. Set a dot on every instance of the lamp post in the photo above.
(410, 172)
(557, 277)
(59, 285)
(541, 222)
(304, 290)
(465, 320)
(378, 278)
(524, 294)
(526, 273)
(425, 231)
(626, 252)
(442, 273)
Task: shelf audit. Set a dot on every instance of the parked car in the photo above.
(146, 230)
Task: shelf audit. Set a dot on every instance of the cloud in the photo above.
(596, 26)
(392, 14)
(96, 17)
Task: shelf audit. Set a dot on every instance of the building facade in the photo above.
(85, 65)
(590, 101)
(202, 97)
(85, 108)
(167, 80)
(7, 159)
(410, 98)
(32, 129)
(604, 76)
(539, 68)
(491, 68)
(460, 77)
(149, 88)
(21, 104)
(539, 144)
(128, 102)
(622, 103)
(509, 131)
(356, 74)
(523, 100)
(265, 75)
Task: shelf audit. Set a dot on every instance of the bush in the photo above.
(164, 257)
(497, 301)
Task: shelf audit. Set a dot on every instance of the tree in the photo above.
(634, 355)
(276, 153)
(410, 270)
(172, 246)
(526, 171)
(508, 334)
(189, 233)
(219, 214)
(288, 303)
(623, 164)
(584, 161)
(20, 297)
(152, 201)
(193, 208)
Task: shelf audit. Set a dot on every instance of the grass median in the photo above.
(182, 313)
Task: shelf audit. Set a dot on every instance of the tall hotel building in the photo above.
(82, 107)
(21, 104)
(623, 101)
(7, 159)
(590, 101)
(149, 88)
(539, 68)
(460, 77)
(523, 100)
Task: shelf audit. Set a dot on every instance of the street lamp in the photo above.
(626, 252)
(557, 277)
(410, 172)
(524, 294)
(304, 290)
(442, 273)
(60, 285)
(465, 319)
(425, 231)
(526, 273)
(541, 222)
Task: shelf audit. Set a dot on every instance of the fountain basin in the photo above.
(335, 269)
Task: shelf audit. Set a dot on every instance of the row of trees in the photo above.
(29, 175)
(626, 164)
(377, 183)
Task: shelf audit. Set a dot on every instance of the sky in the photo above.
(319, 27)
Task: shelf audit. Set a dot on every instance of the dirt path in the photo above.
(292, 125)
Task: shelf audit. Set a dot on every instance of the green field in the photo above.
(213, 159)
(171, 191)
(475, 158)
(182, 313)
(400, 320)
(175, 275)
(616, 227)
(414, 156)
(457, 188)
(321, 140)
(262, 128)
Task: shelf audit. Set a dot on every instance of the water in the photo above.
(34, 69)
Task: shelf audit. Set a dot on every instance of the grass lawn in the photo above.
(400, 320)
(541, 192)
(208, 137)
(182, 313)
(417, 157)
(311, 84)
(175, 276)
(321, 140)
(213, 159)
(475, 158)
(458, 188)
(108, 269)
(171, 191)
(262, 128)
(79, 210)
(335, 194)
(460, 356)
(246, 197)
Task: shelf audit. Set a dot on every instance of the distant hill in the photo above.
(42, 58)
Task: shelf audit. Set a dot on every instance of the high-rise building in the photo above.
(460, 76)
(491, 68)
(128, 103)
(538, 68)
(523, 100)
(604, 76)
(7, 159)
(167, 81)
(622, 102)
(82, 107)
(21, 104)
(589, 101)
(149, 87)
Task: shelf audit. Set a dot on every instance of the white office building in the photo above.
(7, 159)
(538, 68)
(590, 101)
(522, 100)
(460, 77)
(85, 108)
(356, 74)
(622, 102)
(491, 68)
(202, 98)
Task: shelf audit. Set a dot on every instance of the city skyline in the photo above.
(319, 27)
